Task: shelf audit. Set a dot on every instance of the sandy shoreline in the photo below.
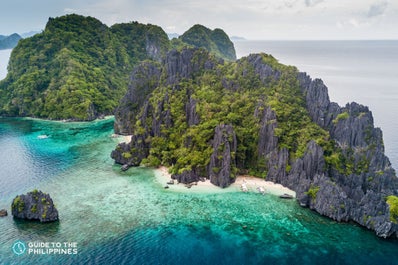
(122, 138)
(252, 183)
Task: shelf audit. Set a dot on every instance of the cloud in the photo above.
(171, 27)
(377, 9)
(310, 3)
(70, 10)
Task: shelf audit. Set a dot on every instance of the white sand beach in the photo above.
(163, 176)
(122, 138)
(252, 183)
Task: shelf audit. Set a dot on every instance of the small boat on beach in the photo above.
(286, 196)
(244, 187)
(261, 190)
(125, 167)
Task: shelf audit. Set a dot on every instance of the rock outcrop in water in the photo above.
(204, 117)
(35, 205)
(3, 212)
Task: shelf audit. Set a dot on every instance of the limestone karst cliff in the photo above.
(205, 117)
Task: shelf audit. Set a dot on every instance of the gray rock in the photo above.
(187, 177)
(266, 72)
(186, 64)
(191, 114)
(3, 212)
(222, 161)
(144, 79)
(35, 205)
(358, 195)
(267, 142)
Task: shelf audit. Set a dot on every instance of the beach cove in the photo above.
(252, 183)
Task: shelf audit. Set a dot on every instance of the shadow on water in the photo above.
(34, 228)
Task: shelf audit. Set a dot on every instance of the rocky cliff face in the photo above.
(222, 160)
(354, 192)
(358, 192)
(35, 205)
(348, 181)
(143, 81)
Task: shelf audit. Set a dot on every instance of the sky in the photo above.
(251, 19)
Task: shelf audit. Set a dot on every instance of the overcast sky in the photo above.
(252, 19)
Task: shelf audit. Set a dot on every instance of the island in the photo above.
(34, 205)
(205, 117)
(78, 68)
(189, 105)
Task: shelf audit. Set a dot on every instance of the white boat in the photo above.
(43, 136)
(261, 190)
(244, 187)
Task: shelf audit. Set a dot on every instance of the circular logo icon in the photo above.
(19, 247)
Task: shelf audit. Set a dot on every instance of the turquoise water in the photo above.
(128, 218)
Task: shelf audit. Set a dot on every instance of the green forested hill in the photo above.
(77, 68)
(215, 41)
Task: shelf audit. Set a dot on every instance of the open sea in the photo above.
(4, 56)
(114, 217)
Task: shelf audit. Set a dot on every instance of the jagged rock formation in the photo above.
(357, 192)
(222, 160)
(209, 118)
(35, 205)
(143, 81)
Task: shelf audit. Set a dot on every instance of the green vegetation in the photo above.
(127, 155)
(215, 41)
(35, 194)
(392, 201)
(44, 214)
(78, 68)
(183, 147)
(313, 191)
(341, 116)
(18, 204)
(33, 209)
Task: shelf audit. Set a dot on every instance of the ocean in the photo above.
(4, 57)
(112, 217)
